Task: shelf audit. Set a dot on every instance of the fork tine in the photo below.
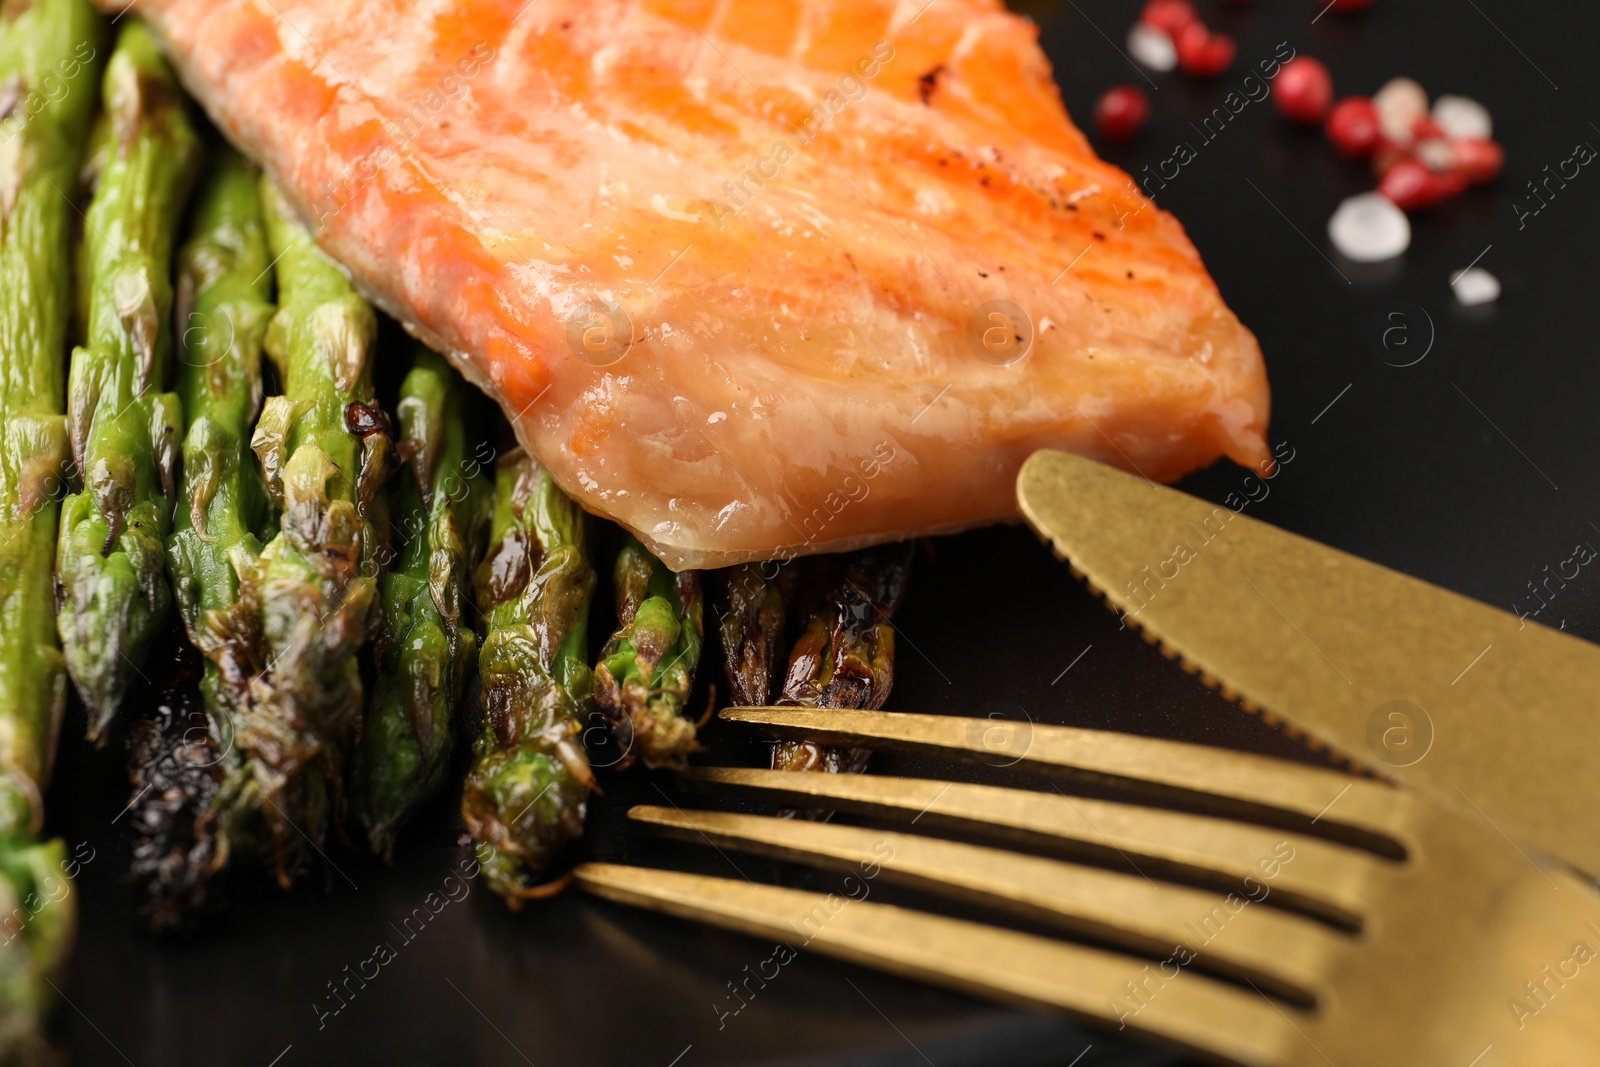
(1320, 878)
(1196, 1012)
(1268, 948)
(1219, 781)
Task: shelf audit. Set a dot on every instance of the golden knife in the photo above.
(1489, 713)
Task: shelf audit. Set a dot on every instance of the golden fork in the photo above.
(1267, 913)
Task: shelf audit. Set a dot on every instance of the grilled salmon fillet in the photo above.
(753, 278)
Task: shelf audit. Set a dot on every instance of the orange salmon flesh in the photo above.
(753, 278)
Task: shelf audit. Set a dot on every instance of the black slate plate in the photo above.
(1473, 468)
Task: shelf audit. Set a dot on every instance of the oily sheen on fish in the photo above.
(754, 278)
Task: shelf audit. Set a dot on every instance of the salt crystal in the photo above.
(1459, 116)
(1475, 286)
(1369, 228)
(1152, 47)
(1436, 154)
(1400, 103)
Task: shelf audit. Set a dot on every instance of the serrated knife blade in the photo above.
(1488, 713)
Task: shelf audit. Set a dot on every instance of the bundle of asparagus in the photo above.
(123, 429)
(274, 540)
(425, 654)
(529, 786)
(48, 69)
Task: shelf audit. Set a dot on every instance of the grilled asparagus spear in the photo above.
(40, 917)
(647, 668)
(224, 306)
(49, 68)
(752, 628)
(845, 655)
(224, 281)
(123, 429)
(44, 115)
(325, 448)
(425, 653)
(530, 781)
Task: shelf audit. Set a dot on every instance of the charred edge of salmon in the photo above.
(1312, 743)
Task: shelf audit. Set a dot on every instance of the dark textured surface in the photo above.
(1402, 469)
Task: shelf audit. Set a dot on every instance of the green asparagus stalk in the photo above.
(425, 654)
(123, 429)
(845, 655)
(325, 448)
(49, 67)
(529, 786)
(47, 73)
(224, 306)
(37, 926)
(647, 667)
(752, 629)
(224, 285)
